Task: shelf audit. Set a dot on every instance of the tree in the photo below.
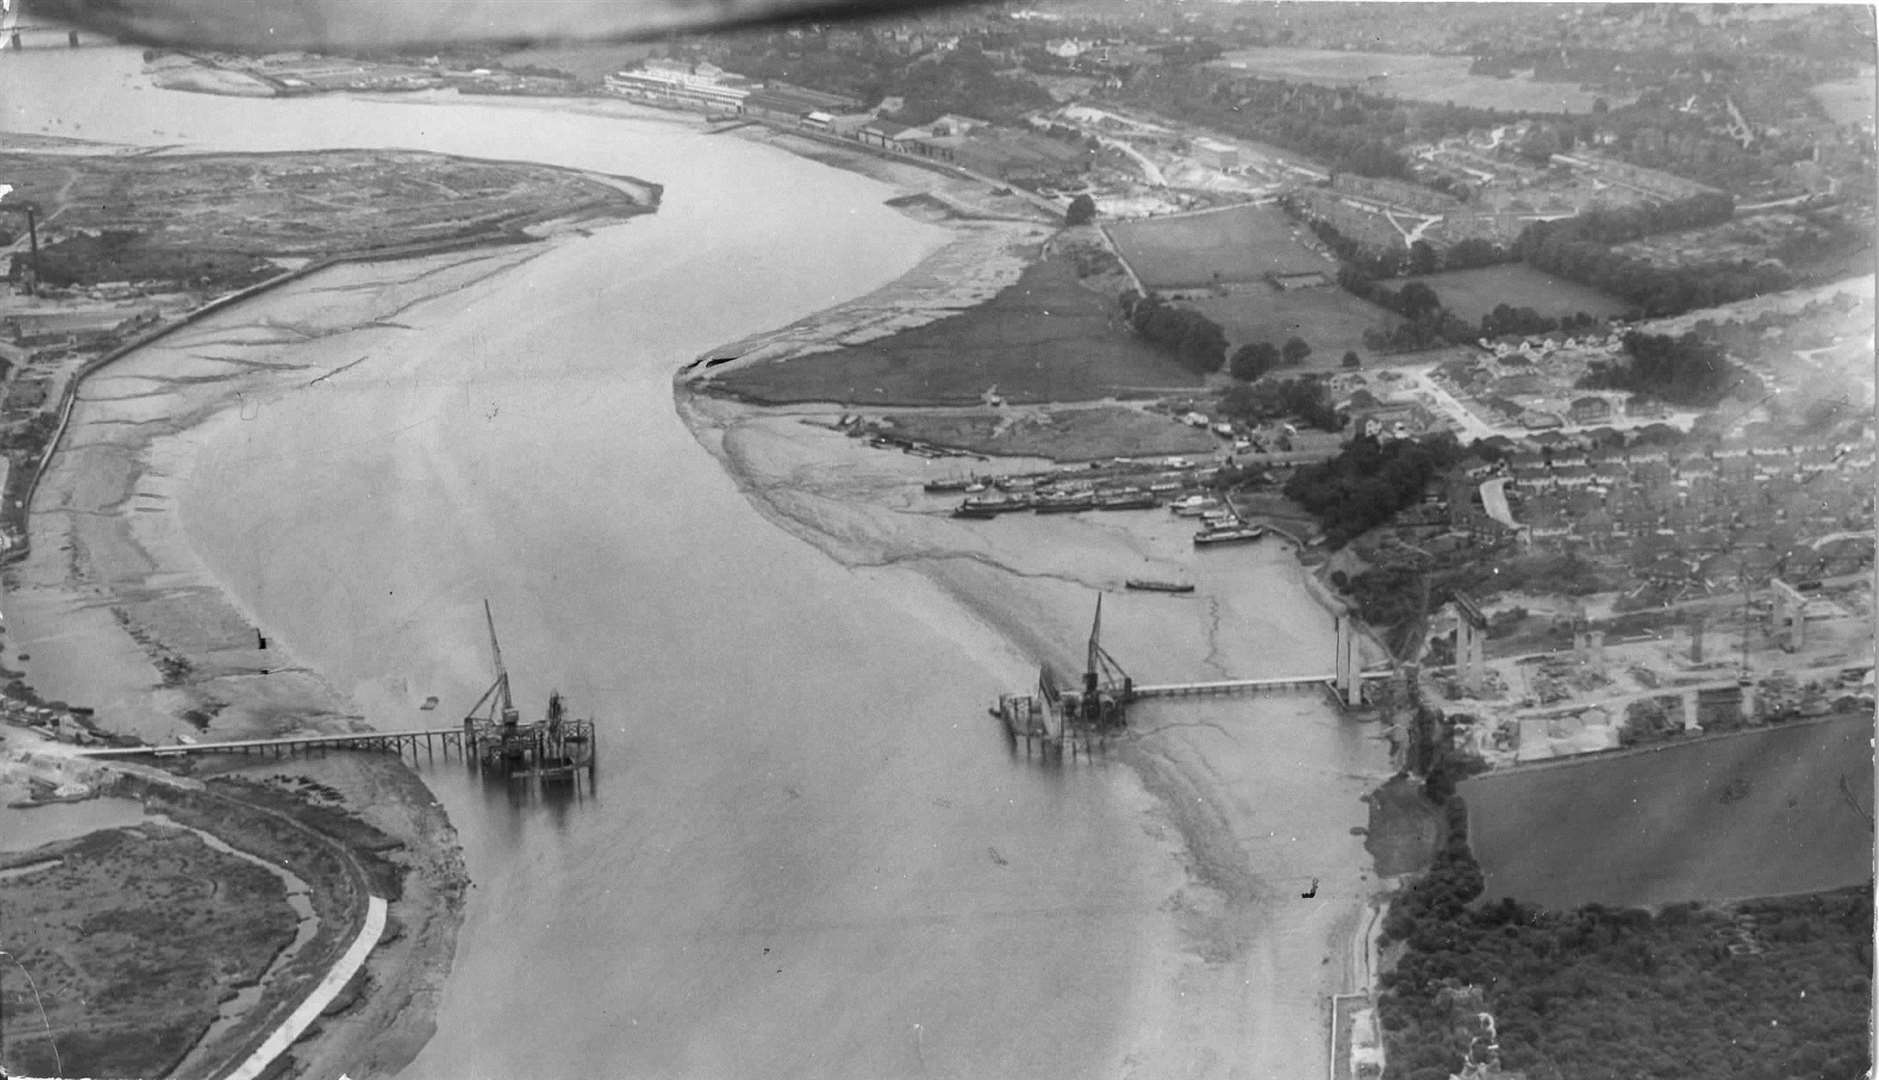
(1082, 211)
(1295, 351)
(1416, 299)
(1352, 360)
(1422, 258)
(1252, 361)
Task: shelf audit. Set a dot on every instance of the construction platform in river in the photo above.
(1054, 720)
(493, 736)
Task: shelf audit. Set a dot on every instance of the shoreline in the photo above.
(1222, 903)
(969, 577)
(1230, 934)
(191, 618)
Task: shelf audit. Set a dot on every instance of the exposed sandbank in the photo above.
(1255, 799)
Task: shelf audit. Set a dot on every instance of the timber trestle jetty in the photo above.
(493, 737)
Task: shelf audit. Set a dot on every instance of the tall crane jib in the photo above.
(555, 747)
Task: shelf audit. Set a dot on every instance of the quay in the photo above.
(430, 739)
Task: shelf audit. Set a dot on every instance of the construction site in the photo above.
(1531, 678)
(1058, 719)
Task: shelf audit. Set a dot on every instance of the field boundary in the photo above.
(1592, 756)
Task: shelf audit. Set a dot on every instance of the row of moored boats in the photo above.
(1219, 523)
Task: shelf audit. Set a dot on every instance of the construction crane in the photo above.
(502, 708)
(1107, 689)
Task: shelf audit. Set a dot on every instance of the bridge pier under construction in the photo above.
(1054, 721)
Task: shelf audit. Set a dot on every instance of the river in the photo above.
(806, 852)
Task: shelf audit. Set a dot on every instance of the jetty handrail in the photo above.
(285, 741)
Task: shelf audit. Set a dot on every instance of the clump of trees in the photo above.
(1305, 398)
(1368, 482)
(1598, 992)
(1579, 249)
(1194, 340)
(1252, 360)
(1082, 211)
(1683, 370)
(1506, 319)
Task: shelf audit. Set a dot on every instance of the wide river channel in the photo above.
(806, 852)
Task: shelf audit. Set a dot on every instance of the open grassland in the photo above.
(1059, 434)
(1236, 244)
(1754, 813)
(1045, 338)
(1417, 77)
(1329, 319)
(1473, 293)
(1848, 101)
(133, 937)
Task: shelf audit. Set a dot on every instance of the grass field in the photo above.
(1848, 101)
(1236, 244)
(1080, 434)
(1045, 338)
(1329, 319)
(1473, 293)
(1753, 813)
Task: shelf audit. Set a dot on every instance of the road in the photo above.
(1149, 169)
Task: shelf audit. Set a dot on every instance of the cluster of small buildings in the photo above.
(72, 328)
(1687, 513)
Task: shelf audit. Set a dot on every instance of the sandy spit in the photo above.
(1254, 800)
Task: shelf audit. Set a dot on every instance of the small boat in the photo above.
(968, 510)
(429, 703)
(1232, 534)
(1194, 506)
(941, 487)
(1149, 585)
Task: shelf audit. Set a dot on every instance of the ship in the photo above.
(1194, 506)
(1151, 585)
(1066, 503)
(1231, 534)
(943, 487)
(1128, 499)
(992, 505)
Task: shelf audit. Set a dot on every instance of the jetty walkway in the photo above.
(399, 742)
(1280, 685)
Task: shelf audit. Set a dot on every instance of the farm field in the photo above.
(1746, 814)
(1848, 101)
(1059, 434)
(1417, 77)
(1234, 245)
(1473, 293)
(1329, 319)
(1045, 338)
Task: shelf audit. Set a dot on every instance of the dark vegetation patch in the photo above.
(133, 940)
(1773, 989)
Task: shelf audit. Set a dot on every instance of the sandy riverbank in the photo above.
(1254, 800)
(112, 608)
(1257, 802)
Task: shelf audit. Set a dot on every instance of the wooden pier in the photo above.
(429, 740)
(1284, 684)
